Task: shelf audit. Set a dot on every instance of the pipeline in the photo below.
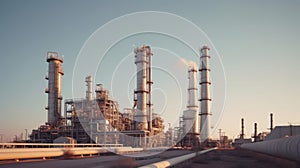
(30, 153)
(176, 160)
(288, 147)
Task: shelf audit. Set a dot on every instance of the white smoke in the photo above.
(186, 63)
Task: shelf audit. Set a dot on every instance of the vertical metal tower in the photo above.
(190, 116)
(205, 99)
(89, 91)
(149, 84)
(242, 134)
(55, 73)
(143, 116)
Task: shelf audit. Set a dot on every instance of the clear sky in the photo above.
(258, 42)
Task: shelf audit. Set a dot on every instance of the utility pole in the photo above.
(291, 129)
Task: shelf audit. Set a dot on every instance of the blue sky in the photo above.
(258, 43)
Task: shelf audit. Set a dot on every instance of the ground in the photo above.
(229, 158)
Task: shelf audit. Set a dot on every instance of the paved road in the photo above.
(113, 161)
(237, 159)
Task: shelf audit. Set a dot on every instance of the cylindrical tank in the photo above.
(205, 99)
(89, 91)
(55, 74)
(287, 147)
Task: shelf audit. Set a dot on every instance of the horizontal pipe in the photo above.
(29, 153)
(177, 160)
(288, 147)
(50, 145)
(8, 154)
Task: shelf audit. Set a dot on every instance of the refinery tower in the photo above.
(143, 104)
(55, 73)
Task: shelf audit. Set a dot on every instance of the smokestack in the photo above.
(55, 74)
(143, 80)
(271, 121)
(190, 116)
(192, 90)
(89, 91)
(242, 134)
(255, 132)
(205, 100)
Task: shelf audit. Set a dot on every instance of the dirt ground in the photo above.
(229, 158)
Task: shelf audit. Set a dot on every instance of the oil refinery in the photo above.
(95, 124)
(98, 119)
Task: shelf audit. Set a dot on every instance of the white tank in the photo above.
(205, 99)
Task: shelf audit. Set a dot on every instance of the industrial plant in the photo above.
(98, 119)
(96, 125)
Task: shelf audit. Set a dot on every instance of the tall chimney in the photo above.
(190, 116)
(205, 99)
(255, 132)
(242, 134)
(271, 121)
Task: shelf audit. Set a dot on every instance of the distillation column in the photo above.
(55, 73)
(141, 91)
(89, 84)
(205, 99)
(190, 116)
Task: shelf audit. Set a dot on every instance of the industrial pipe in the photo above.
(287, 147)
(27, 153)
(177, 160)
